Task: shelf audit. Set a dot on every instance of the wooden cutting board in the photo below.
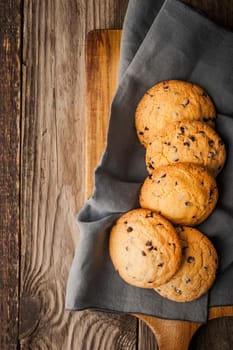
(102, 57)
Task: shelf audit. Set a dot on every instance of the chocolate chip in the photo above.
(143, 253)
(150, 176)
(158, 181)
(155, 248)
(147, 93)
(201, 132)
(204, 94)
(178, 291)
(205, 120)
(187, 204)
(182, 130)
(146, 128)
(160, 264)
(187, 280)
(167, 143)
(184, 248)
(211, 192)
(176, 183)
(176, 160)
(192, 138)
(205, 267)
(194, 216)
(220, 142)
(125, 222)
(150, 281)
(150, 248)
(190, 259)
(149, 243)
(175, 148)
(151, 166)
(129, 229)
(186, 143)
(166, 88)
(211, 143)
(164, 175)
(141, 133)
(220, 167)
(202, 182)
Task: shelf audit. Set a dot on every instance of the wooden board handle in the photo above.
(177, 335)
(171, 334)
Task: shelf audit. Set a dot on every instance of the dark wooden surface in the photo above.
(9, 171)
(46, 87)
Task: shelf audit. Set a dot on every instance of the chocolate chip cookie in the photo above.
(144, 248)
(187, 142)
(198, 267)
(183, 193)
(171, 101)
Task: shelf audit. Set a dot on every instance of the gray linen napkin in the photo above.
(161, 40)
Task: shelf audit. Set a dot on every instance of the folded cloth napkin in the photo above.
(161, 40)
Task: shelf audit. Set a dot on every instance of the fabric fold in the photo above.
(169, 40)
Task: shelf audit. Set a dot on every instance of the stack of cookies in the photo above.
(156, 246)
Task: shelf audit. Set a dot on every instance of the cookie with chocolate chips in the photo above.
(183, 193)
(198, 268)
(187, 142)
(144, 248)
(171, 101)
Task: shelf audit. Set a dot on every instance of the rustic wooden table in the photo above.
(42, 90)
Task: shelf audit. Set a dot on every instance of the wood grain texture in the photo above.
(52, 175)
(146, 337)
(215, 335)
(10, 45)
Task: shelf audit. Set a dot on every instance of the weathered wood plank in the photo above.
(146, 338)
(53, 166)
(10, 46)
(216, 335)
